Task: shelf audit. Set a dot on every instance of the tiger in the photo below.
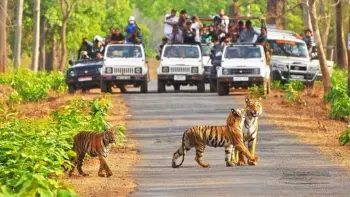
(252, 113)
(227, 136)
(96, 144)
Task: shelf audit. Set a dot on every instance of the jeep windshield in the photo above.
(181, 52)
(124, 51)
(245, 52)
(288, 48)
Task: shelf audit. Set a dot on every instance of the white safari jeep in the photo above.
(243, 65)
(180, 64)
(124, 64)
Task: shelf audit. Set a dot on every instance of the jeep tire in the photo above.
(161, 86)
(201, 86)
(213, 87)
(223, 89)
(144, 86)
(71, 89)
(106, 87)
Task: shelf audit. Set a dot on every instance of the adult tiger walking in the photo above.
(227, 136)
(96, 144)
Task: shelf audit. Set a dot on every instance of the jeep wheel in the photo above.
(106, 87)
(176, 87)
(201, 86)
(84, 90)
(213, 87)
(144, 86)
(122, 88)
(161, 86)
(71, 89)
(223, 89)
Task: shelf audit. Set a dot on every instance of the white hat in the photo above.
(131, 18)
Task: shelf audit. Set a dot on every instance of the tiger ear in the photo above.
(233, 111)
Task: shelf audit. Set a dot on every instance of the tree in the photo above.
(319, 45)
(67, 7)
(306, 14)
(275, 13)
(36, 36)
(3, 35)
(340, 41)
(18, 37)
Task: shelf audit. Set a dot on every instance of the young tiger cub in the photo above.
(228, 136)
(96, 144)
(253, 111)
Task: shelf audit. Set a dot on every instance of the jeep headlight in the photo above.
(138, 70)
(109, 70)
(313, 68)
(256, 71)
(165, 69)
(194, 70)
(72, 73)
(225, 71)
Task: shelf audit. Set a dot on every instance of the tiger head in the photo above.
(110, 134)
(253, 107)
(236, 118)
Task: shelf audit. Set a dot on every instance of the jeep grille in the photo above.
(124, 70)
(240, 71)
(180, 69)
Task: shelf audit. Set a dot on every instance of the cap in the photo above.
(216, 18)
(131, 18)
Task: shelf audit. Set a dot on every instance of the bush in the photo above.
(33, 152)
(338, 98)
(31, 86)
(256, 91)
(277, 85)
(293, 91)
(344, 137)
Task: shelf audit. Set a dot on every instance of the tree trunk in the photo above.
(271, 12)
(326, 23)
(280, 8)
(349, 59)
(234, 10)
(3, 35)
(42, 57)
(321, 54)
(18, 36)
(306, 14)
(340, 39)
(63, 44)
(275, 12)
(36, 36)
(54, 55)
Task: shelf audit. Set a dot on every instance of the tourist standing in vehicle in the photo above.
(238, 30)
(307, 39)
(170, 21)
(182, 20)
(87, 46)
(98, 46)
(248, 34)
(131, 27)
(196, 25)
(205, 36)
(262, 38)
(224, 20)
(160, 48)
(135, 37)
(116, 37)
(189, 34)
(176, 36)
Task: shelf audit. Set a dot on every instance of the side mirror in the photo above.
(70, 62)
(157, 57)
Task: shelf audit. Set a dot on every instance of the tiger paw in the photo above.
(206, 166)
(101, 175)
(252, 163)
(256, 159)
(109, 173)
(230, 164)
(240, 163)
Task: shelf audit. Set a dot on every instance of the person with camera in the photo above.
(87, 46)
(116, 37)
(224, 20)
(135, 37)
(183, 20)
(197, 26)
(176, 36)
(189, 34)
(131, 28)
(248, 34)
(170, 21)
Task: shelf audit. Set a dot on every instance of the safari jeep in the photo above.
(243, 65)
(124, 64)
(180, 65)
(206, 61)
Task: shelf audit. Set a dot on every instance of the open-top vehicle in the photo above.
(180, 65)
(84, 75)
(124, 64)
(243, 65)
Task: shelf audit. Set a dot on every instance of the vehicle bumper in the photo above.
(189, 79)
(76, 81)
(286, 76)
(258, 80)
(124, 79)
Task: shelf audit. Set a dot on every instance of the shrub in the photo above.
(338, 98)
(344, 137)
(256, 91)
(293, 91)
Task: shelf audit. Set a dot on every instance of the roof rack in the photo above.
(242, 43)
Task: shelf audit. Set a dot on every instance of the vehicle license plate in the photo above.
(84, 78)
(180, 78)
(123, 77)
(297, 76)
(240, 78)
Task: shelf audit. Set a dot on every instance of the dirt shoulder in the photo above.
(310, 122)
(121, 160)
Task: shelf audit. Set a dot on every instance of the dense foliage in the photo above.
(31, 86)
(340, 102)
(33, 152)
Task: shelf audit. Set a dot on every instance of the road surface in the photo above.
(286, 168)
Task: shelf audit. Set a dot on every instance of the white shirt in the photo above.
(196, 26)
(168, 28)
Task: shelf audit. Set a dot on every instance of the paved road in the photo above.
(287, 168)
